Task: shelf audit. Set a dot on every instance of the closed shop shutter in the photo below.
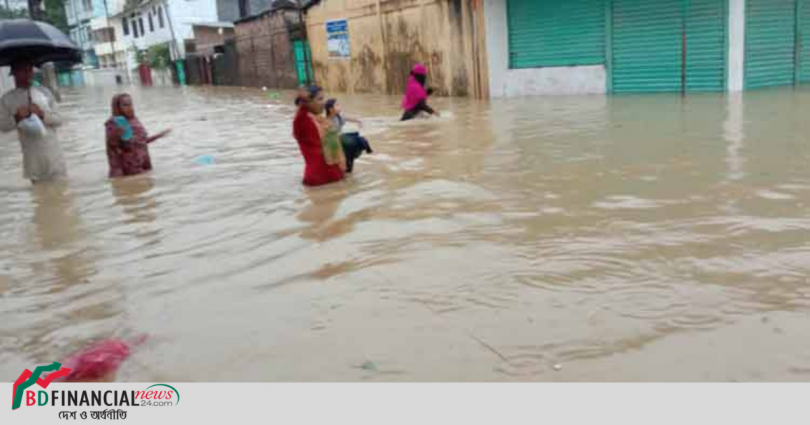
(651, 40)
(706, 45)
(770, 43)
(647, 46)
(803, 9)
(545, 33)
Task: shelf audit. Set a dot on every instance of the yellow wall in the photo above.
(387, 37)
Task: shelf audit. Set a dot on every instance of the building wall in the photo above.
(186, 13)
(505, 82)
(179, 15)
(387, 37)
(77, 11)
(265, 50)
(206, 38)
(583, 79)
(228, 10)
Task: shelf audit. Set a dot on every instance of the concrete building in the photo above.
(162, 22)
(640, 46)
(208, 37)
(370, 46)
(110, 50)
(234, 10)
(79, 15)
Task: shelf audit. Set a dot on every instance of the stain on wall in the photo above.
(387, 37)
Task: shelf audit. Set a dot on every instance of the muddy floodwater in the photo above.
(544, 239)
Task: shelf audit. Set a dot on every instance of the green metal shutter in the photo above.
(706, 45)
(770, 43)
(803, 9)
(556, 32)
(647, 46)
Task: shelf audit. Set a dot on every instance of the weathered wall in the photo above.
(505, 82)
(206, 38)
(265, 51)
(387, 37)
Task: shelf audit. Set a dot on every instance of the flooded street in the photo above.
(544, 239)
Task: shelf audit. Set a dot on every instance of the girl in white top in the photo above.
(42, 154)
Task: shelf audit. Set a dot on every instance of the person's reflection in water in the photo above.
(61, 263)
(133, 195)
(58, 233)
(323, 205)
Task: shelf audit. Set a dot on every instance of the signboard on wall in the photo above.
(337, 36)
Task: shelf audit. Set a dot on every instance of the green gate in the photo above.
(303, 62)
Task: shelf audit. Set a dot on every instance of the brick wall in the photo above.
(206, 38)
(265, 51)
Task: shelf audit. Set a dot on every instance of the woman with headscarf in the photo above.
(127, 139)
(310, 129)
(416, 94)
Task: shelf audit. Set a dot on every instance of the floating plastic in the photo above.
(32, 126)
(205, 160)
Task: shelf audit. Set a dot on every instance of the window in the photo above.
(140, 24)
(151, 24)
(125, 25)
(160, 16)
(134, 26)
(88, 5)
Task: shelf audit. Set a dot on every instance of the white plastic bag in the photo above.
(32, 126)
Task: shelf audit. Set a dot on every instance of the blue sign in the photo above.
(337, 36)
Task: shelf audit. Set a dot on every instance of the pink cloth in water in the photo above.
(99, 360)
(414, 92)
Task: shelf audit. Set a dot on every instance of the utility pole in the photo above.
(112, 42)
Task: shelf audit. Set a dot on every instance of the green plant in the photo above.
(12, 13)
(159, 57)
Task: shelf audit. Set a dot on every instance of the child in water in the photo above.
(353, 144)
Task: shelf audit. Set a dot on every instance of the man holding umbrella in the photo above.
(32, 112)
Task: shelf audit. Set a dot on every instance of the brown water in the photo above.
(581, 238)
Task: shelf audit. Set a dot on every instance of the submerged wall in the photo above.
(387, 37)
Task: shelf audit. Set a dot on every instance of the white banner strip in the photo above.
(412, 404)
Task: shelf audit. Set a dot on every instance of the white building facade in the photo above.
(161, 22)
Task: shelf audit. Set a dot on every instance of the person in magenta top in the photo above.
(416, 94)
(127, 154)
(309, 128)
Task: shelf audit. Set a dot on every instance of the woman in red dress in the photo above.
(128, 157)
(309, 128)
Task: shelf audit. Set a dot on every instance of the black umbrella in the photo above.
(38, 42)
